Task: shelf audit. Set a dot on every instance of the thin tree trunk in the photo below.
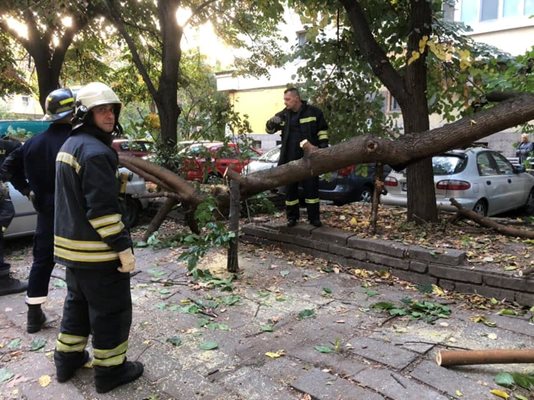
(233, 225)
(474, 357)
(379, 185)
(159, 217)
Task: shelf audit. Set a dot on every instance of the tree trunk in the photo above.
(233, 226)
(474, 357)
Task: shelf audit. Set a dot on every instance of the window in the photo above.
(475, 11)
(505, 168)
(486, 165)
(25, 101)
(301, 38)
(392, 105)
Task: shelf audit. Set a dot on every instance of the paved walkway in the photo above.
(373, 356)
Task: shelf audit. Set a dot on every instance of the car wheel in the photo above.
(529, 206)
(481, 208)
(130, 209)
(366, 195)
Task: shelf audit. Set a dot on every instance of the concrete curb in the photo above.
(447, 268)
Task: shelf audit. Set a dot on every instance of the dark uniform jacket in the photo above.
(32, 166)
(312, 126)
(88, 229)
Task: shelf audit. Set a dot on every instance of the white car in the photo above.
(478, 178)
(25, 220)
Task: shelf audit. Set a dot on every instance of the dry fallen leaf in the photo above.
(500, 393)
(44, 380)
(275, 354)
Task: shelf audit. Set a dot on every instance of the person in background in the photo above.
(32, 169)
(524, 149)
(8, 284)
(299, 121)
(95, 246)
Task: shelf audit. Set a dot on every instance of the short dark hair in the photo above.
(293, 90)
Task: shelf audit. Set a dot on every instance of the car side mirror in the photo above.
(519, 169)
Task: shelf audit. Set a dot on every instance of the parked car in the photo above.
(347, 185)
(478, 178)
(207, 162)
(25, 219)
(134, 147)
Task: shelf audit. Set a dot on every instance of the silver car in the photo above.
(479, 179)
(25, 219)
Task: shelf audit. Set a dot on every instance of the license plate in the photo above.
(404, 186)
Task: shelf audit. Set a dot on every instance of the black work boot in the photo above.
(68, 363)
(36, 318)
(10, 285)
(108, 378)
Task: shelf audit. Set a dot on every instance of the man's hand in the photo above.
(276, 120)
(127, 261)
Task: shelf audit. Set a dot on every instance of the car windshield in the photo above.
(271, 156)
(448, 164)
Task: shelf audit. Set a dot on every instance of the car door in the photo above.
(494, 184)
(516, 193)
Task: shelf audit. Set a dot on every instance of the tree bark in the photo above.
(488, 223)
(474, 357)
(379, 186)
(235, 212)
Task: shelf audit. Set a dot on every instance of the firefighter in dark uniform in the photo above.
(8, 284)
(92, 242)
(299, 121)
(32, 170)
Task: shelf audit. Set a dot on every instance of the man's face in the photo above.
(104, 117)
(291, 101)
(524, 138)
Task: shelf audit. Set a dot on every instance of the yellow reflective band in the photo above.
(71, 339)
(292, 202)
(307, 119)
(111, 229)
(80, 244)
(66, 101)
(322, 135)
(85, 257)
(70, 343)
(105, 220)
(66, 348)
(311, 201)
(282, 123)
(110, 357)
(68, 159)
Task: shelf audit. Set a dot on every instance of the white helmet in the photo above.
(95, 94)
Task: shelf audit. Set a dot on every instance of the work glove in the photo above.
(127, 261)
(276, 120)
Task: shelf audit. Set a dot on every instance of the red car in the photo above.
(207, 162)
(133, 147)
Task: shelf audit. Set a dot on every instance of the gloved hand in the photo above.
(276, 120)
(31, 197)
(127, 261)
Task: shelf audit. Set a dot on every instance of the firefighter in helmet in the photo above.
(95, 246)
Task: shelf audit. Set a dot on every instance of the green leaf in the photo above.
(59, 283)
(327, 290)
(267, 328)
(307, 313)
(504, 379)
(524, 380)
(371, 293)
(161, 306)
(15, 344)
(507, 311)
(230, 300)
(284, 273)
(217, 326)
(174, 340)
(5, 375)
(519, 397)
(324, 349)
(209, 345)
(164, 291)
(399, 312)
(37, 344)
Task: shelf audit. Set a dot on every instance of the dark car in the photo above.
(346, 185)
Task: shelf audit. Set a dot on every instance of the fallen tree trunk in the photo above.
(488, 223)
(474, 357)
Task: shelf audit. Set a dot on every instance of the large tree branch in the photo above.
(372, 51)
(403, 151)
(197, 11)
(116, 18)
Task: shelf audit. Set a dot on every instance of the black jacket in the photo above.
(88, 230)
(313, 127)
(33, 165)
